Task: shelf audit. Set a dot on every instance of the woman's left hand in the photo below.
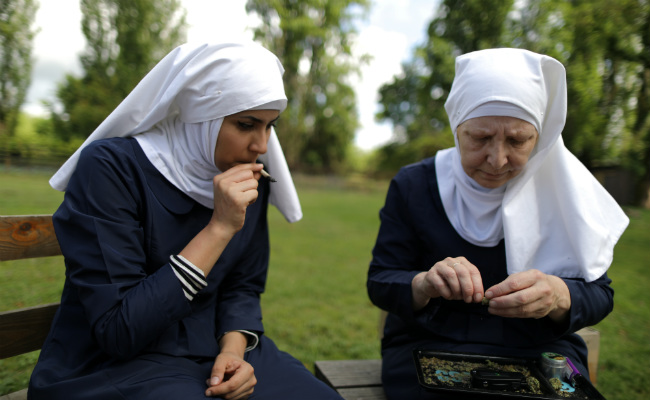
(530, 294)
(232, 378)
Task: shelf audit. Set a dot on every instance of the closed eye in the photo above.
(245, 126)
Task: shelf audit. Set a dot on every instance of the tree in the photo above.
(16, 36)
(313, 40)
(414, 101)
(126, 38)
(605, 47)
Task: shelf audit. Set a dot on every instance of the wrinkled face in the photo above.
(243, 137)
(493, 150)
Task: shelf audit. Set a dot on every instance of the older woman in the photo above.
(164, 232)
(508, 214)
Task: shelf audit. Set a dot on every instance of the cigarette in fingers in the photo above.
(266, 175)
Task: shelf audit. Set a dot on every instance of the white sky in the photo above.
(389, 34)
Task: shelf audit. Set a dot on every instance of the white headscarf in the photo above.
(176, 112)
(555, 216)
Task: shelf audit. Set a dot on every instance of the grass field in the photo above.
(316, 306)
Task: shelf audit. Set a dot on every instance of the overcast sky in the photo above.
(389, 34)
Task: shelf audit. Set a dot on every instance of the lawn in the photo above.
(316, 306)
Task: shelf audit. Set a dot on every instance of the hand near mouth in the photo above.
(234, 190)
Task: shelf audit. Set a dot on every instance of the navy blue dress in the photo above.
(415, 234)
(125, 330)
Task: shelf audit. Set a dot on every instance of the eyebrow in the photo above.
(255, 119)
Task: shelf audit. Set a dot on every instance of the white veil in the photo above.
(554, 216)
(184, 98)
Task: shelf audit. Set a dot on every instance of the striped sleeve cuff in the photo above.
(191, 277)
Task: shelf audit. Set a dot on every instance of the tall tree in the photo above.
(16, 36)
(125, 39)
(313, 39)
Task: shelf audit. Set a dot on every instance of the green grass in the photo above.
(316, 306)
(625, 333)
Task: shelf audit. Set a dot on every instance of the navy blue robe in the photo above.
(415, 233)
(125, 330)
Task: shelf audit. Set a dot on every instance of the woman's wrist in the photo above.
(206, 247)
(420, 299)
(563, 302)
(234, 342)
(219, 231)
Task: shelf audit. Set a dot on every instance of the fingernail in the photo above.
(488, 294)
(478, 297)
(214, 381)
(208, 393)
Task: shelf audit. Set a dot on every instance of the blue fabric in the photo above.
(125, 330)
(415, 234)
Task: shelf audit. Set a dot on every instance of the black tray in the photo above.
(452, 378)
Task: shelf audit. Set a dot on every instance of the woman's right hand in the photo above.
(234, 190)
(452, 279)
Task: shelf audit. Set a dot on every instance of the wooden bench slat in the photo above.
(27, 236)
(25, 330)
(349, 373)
(367, 393)
(19, 395)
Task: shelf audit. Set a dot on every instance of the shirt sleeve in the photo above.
(102, 239)
(591, 302)
(389, 279)
(190, 276)
(239, 297)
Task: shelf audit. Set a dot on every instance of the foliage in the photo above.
(34, 144)
(313, 39)
(125, 40)
(604, 45)
(16, 35)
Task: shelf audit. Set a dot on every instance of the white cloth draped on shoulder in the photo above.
(554, 216)
(176, 112)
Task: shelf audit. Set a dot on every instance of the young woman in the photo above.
(164, 232)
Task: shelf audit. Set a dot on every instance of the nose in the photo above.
(497, 156)
(259, 141)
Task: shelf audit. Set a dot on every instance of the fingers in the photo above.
(231, 380)
(452, 279)
(234, 191)
(529, 294)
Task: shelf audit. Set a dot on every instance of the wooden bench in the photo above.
(361, 379)
(24, 330)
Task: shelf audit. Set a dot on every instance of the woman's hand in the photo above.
(232, 378)
(451, 279)
(530, 294)
(234, 190)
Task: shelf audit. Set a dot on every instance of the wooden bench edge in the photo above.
(24, 330)
(19, 395)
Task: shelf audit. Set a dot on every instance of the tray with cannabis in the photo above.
(479, 374)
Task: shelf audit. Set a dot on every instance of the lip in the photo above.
(491, 176)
